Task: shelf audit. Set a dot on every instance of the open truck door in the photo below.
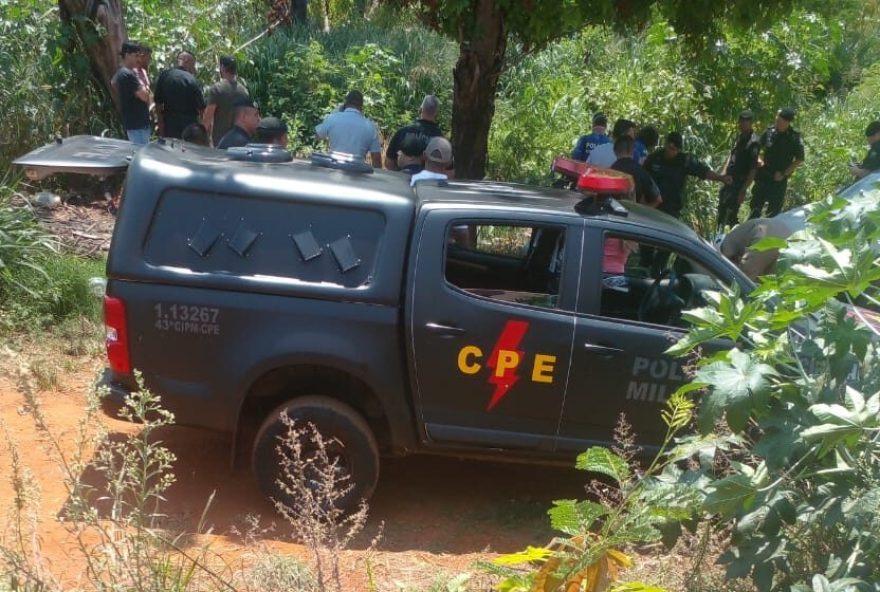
(86, 155)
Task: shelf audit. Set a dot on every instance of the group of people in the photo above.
(660, 173)
(224, 116)
(762, 163)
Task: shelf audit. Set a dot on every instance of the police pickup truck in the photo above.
(476, 319)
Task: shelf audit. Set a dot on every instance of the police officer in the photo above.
(742, 164)
(597, 137)
(670, 167)
(872, 159)
(783, 152)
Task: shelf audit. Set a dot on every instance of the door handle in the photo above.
(602, 350)
(446, 330)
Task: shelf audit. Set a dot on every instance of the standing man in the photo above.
(783, 152)
(145, 55)
(134, 97)
(597, 137)
(603, 155)
(742, 164)
(220, 98)
(670, 167)
(179, 100)
(245, 123)
(646, 190)
(412, 139)
(872, 159)
(349, 132)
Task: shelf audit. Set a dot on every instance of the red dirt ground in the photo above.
(439, 514)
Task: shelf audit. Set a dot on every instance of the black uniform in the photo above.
(872, 159)
(233, 138)
(780, 150)
(412, 139)
(135, 112)
(670, 176)
(647, 191)
(179, 94)
(743, 159)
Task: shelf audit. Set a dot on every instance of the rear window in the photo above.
(264, 238)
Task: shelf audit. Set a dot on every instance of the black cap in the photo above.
(600, 119)
(242, 102)
(872, 128)
(272, 125)
(675, 139)
(786, 113)
(746, 115)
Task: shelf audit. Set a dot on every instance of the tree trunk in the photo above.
(100, 27)
(475, 81)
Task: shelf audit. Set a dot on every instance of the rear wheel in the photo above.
(349, 443)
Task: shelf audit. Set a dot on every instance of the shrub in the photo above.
(801, 386)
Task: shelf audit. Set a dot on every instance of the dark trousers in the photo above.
(728, 205)
(770, 193)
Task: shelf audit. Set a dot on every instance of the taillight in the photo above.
(117, 335)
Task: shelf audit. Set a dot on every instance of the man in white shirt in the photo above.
(349, 132)
(603, 155)
(438, 161)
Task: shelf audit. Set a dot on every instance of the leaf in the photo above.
(729, 495)
(638, 587)
(768, 243)
(575, 517)
(821, 584)
(602, 460)
(530, 555)
(732, 384)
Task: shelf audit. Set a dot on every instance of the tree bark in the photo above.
(100, 27)
(475, 81)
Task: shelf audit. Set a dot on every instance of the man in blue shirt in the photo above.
(349, 132)
(585, 144)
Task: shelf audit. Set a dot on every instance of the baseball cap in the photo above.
(600, 119)
(439, 150)
(746, 115)
(786, 113)
(873, 128)
(243, 102)
(272, 125)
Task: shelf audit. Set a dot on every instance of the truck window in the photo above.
(648, 283)
(508, 262)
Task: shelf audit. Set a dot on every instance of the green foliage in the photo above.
(804, 384)
(302, 74)
(637, 508)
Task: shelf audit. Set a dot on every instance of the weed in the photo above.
(312, 478)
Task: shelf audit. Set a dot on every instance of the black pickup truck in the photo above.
(474, 319)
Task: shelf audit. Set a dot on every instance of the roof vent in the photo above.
(259, 153)
(340, 161)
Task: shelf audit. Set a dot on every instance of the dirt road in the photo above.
(439, 514)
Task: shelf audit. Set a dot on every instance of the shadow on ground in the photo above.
(427, 503)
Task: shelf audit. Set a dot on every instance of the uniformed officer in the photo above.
(872, 159)
(783, 152)
(670, 167)
(597, 137)
(742, 164)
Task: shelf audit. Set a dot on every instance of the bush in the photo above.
(302, 74)
(39, 286)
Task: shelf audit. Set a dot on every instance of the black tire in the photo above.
(354, 444)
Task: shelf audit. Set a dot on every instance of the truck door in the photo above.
(491, 321)
(627, 319)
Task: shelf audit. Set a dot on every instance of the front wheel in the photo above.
(349, 443)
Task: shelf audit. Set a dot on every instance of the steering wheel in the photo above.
(661, 303)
